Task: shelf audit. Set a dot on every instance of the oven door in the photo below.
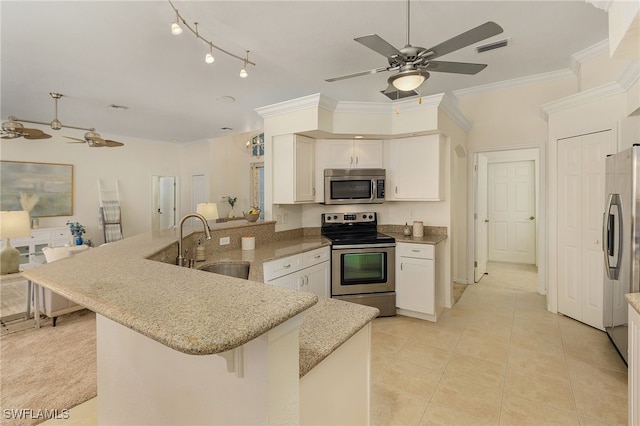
(362, 270)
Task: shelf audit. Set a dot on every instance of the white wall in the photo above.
(132, 165)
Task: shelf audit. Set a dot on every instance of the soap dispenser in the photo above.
(200, 255)
(406, 230)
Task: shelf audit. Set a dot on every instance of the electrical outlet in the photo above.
(225, 240)
(284, 218)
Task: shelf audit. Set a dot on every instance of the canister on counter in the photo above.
(248, 242)
(418, 229)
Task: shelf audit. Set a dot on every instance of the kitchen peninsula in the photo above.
(178, 345)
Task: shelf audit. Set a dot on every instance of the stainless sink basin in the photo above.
(235, 269)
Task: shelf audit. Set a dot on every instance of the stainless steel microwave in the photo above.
(354, 186)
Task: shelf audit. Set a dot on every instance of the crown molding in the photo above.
(628, 77)
(516, 82)
(601, 4)
(590, 52)
(298, 104)
(451, 107)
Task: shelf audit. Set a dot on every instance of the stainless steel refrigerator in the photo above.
(621, 242)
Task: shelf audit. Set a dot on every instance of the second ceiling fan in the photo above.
(413, 63)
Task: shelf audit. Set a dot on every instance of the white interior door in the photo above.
(581, 181)
(511, 193)
(167, 201)
(481, 218)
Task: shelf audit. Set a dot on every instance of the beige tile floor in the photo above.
(497, 358)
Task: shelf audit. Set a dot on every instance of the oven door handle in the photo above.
(363, 246)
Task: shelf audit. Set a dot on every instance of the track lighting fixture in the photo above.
(208, 58)
(243, 71)
(176, 29)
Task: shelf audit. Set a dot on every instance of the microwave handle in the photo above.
(374, 189)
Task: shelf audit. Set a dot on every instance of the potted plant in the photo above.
(232, 202)
(76, 230)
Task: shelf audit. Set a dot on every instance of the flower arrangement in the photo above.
(76, 229)
(231, 200)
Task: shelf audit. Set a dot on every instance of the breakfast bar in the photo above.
(179, 345)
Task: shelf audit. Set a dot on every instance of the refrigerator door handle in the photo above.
(610, 234)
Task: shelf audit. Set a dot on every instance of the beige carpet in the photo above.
(53, 368)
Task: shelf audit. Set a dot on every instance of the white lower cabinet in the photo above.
(634, 366)
(416, 280)
(310, 272)
(30, 247)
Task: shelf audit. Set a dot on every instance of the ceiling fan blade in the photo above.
(380, 45)
(34, 137)
(75, 139)
(32, 133)
(454, 67)
(112, 144)
(474, 35)
(358, 74)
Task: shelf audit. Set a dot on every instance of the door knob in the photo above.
(531, 217)
(486, 221)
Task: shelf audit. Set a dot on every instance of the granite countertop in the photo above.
(191, 311)
(634, 300)
(427, 239)
(198, 312)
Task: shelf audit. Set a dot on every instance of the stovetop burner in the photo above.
(353, 228)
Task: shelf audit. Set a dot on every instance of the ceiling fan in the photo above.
(14, 129)
(413, 63)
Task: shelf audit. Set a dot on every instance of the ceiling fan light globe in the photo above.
(12, 126)
(176, 29)
(56, 124)
(406, 81)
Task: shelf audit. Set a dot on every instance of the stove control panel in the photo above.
(362, 217)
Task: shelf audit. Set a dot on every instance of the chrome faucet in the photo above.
(207, 233)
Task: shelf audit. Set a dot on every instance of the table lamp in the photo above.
(208, 210)
(13, 224)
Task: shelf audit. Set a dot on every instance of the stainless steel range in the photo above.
(362, 260)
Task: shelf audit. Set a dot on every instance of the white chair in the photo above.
(52, 304)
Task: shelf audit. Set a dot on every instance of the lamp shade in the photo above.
(14, 224)
(208, 210)
(406, 81)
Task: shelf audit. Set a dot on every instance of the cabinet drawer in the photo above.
(316, 256)
(419, 251)
(280, 267)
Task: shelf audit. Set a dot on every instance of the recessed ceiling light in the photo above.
(226, 99)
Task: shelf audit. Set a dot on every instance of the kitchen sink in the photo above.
(231, 269)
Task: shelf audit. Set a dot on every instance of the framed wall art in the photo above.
(44, 189)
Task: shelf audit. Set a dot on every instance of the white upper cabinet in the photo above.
(293, 169)
(414, 169)
(349, 154)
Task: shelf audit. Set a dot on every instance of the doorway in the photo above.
(163, 211)
(505, 230)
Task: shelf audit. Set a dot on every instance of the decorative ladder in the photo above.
(110, 213)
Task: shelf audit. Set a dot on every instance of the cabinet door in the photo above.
(317, 279)
(367, 154)
(413, 169)
(304, 169)
(415, 285)
(293, 281)
(339, 154)
(293, 169)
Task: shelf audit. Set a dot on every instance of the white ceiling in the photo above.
(122, 52)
